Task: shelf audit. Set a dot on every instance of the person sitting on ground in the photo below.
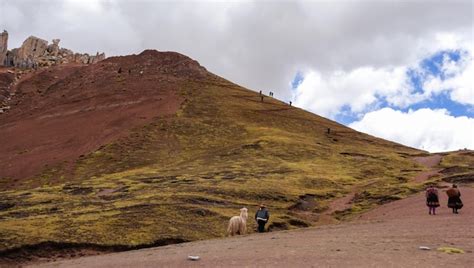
(262, 216)
(454, 198)
(432, 200)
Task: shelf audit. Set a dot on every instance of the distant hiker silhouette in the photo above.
(454, 198)
(432, 200)
(262, 216)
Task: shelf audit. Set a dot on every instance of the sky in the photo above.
(399, 70)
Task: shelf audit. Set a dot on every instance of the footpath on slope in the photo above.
(430, 162)
(343, 203)
(389, 236)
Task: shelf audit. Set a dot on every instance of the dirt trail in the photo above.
(429, 162)
(343, 203)
(339, 204)
(389, 236)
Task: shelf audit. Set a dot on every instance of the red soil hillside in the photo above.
(61, 113)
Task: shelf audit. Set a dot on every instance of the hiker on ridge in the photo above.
(262, 216)
(432, 200)
(454, 198)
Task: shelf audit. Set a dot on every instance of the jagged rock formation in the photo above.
(3, 47)
(35, 52)
(53, 49)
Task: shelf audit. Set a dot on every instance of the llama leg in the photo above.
(243, 229)
(232, 232)
(235, 229)
(229, 229)
(232, 228)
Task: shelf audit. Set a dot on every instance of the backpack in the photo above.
(432, 196)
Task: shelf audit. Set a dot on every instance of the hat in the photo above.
(262, 205)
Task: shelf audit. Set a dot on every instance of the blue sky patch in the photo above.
(416, 79)
(443, 101)
(433, 65)
(297, 80)
(346, 116)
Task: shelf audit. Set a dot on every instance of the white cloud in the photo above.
(367, 88)
(459, 82)
(259, 44)
(431, 130)
(357, 89)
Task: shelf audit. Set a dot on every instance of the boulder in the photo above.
(53, 49)
(32, 48)
(98, 57)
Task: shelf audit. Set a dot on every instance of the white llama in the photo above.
(238, 224)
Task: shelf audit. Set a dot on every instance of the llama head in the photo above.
(243, 213)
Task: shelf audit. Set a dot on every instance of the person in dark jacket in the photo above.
(454, 198)
(262, 216)
(432, 200)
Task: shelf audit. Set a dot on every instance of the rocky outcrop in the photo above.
(35, 52)
(53, 49)
(31, 49)
(3, 47)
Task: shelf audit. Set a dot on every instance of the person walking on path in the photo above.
(262, 216)
(454, 198)
(432, 200)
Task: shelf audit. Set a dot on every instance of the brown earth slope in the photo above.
(61, 113)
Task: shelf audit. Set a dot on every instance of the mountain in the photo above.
(153, 149)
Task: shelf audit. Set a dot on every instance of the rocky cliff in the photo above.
(36, 52)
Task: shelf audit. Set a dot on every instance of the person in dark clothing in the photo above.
(262, 216)
(432, 200)
(454, 198)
